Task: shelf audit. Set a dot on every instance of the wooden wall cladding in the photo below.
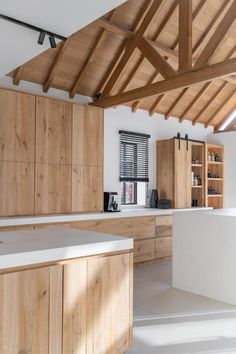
(52, 188)
(87, 136)
(53, 131)
(39, 139)
(17, 188)
(17, 126)
(87, 188)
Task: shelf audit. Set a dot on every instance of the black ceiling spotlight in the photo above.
(42, 32)
(52, 42)
(41, 38)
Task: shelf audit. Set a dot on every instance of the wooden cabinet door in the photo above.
(120, 227)
(90, 225)
(31, 311)
(17, 188)
(97, 311)
(53, 131)
(87, 188)
(182, 174)
(17, 126)
(52, 188)
(87, 136)
(144, 250)
(143, 228)
(163, 247)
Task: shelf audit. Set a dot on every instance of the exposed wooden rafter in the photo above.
(18, 75)
(183, 80)
(185, 35)
(120, 51)
(219, 109)
(217, 37)
(168, 113)
(156, 59)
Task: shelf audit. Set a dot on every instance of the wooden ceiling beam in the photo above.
(18, 75)
(131, 46)
(158, 100)
(183, 80)
(219, 109)
(97, 44)
(168, 113)
(217, 37)
(164, 68)
(194, 101)
(118, 55)
(185, 35)
(212, 99)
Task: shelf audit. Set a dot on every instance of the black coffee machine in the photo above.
(111, 201)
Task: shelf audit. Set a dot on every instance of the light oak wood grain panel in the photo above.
(52, 188)
(143, 228)
(163, 230)
(75, 304)
(144, 250)
(17, 126)
(93, 225)
(87, 188)
(87, 133)
(163, 247)
(121, 226)
(17, 188)
(53, 131)
(164, 220)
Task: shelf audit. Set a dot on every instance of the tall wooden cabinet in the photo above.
(51, 156)
(174, 172)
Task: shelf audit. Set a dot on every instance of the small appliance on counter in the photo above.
(164, 204)
(111, 201)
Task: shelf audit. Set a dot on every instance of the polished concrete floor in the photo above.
(170, 321)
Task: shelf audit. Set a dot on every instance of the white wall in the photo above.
(18, 44)
(122, 118)
(229, 141)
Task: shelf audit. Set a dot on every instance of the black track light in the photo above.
(41, 38)
(52, 42)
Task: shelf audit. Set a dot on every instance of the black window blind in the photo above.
(134, 154)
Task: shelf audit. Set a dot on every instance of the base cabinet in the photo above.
(81, 307)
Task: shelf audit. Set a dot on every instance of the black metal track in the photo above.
(32, 27)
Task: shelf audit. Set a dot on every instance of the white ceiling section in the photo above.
(18, 44)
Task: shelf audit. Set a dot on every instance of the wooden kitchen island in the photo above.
(65, 291)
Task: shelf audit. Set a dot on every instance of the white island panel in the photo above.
(204, 253)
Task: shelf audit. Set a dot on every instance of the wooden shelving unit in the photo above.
(215, 168)
(198, 170)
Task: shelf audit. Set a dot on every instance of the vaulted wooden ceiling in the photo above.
(175, 57)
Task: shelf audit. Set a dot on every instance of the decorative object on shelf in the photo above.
(194, 203)
(164, 204)
(154, 198)
(212, 191)
(217, 158)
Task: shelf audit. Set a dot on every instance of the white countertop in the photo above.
(125, 213)
(22, 248)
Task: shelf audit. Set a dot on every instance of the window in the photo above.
(134, 151)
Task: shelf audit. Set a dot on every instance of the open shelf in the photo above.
(215, 179)
(215, 195)
(214, 163)
(197, 165)
(197, 186)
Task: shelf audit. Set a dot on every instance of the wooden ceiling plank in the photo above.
(97, 43)
(217, 37)
(170, 110)
(194, 101)
(194, 16)
(212, 99)
(114, 28)
(114, 63)
(131, 46)
(205, 87)
(219, 109)
(185, 35)
(18, 75)
(183, 80)
(155, 104)
(210, 26)
(164, 68)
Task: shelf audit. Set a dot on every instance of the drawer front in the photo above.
(164, 247)
(164, 220)
(120, 227)
(143, 228)
(94, 225)
(144, 250)
(16, 228)
(163, 230)
(51, 226)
